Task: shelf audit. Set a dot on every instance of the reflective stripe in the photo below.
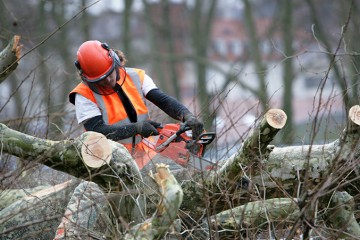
(136, 79)
(101, 105)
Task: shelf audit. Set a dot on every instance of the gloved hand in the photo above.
(147, 128)
(196, 126)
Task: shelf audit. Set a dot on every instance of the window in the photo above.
(235, 47)
(220, 47)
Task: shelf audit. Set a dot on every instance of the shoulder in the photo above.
(148, 84)
(138, 71)
(81, 89)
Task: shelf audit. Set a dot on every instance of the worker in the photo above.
(111, 100)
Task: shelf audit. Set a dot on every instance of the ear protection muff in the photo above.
(112, 53)
(77, 65)
(115, 57)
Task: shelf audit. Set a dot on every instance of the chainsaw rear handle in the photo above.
(206, 138)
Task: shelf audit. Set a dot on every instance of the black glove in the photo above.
(196, 126)
(147, 128)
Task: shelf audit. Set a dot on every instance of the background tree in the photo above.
(202, 19)
(288, 75)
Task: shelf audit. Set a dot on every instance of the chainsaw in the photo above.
(175, 142)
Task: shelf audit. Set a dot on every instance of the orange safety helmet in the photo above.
(96, 61)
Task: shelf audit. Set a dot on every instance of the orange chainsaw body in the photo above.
(178, 149)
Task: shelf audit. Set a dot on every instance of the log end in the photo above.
(354, 114)
(276, 118)
(96, 150)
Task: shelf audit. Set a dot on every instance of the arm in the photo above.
(176, 110)
(168, 104)
(115, 133)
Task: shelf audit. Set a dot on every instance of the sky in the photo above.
(137, 5)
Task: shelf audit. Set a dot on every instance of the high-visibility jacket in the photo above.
(114, 113)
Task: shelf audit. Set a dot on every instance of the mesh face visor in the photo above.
(97, 86)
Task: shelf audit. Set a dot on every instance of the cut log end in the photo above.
(276, 118)
(354, 114)
(96, 150)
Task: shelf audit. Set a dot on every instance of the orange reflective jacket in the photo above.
(113, 111)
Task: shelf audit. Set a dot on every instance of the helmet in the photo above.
(95, 61)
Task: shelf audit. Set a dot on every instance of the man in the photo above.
(111, 100)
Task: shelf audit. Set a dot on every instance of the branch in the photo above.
(254, 214)
(340, 216)
(9, 58)
(255, 148)
(89, 156)
(171, 196)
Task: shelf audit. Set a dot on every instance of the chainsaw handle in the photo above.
(206, 138)
(183, 128)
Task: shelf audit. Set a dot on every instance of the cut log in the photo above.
(354, 115)
(285, 167)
